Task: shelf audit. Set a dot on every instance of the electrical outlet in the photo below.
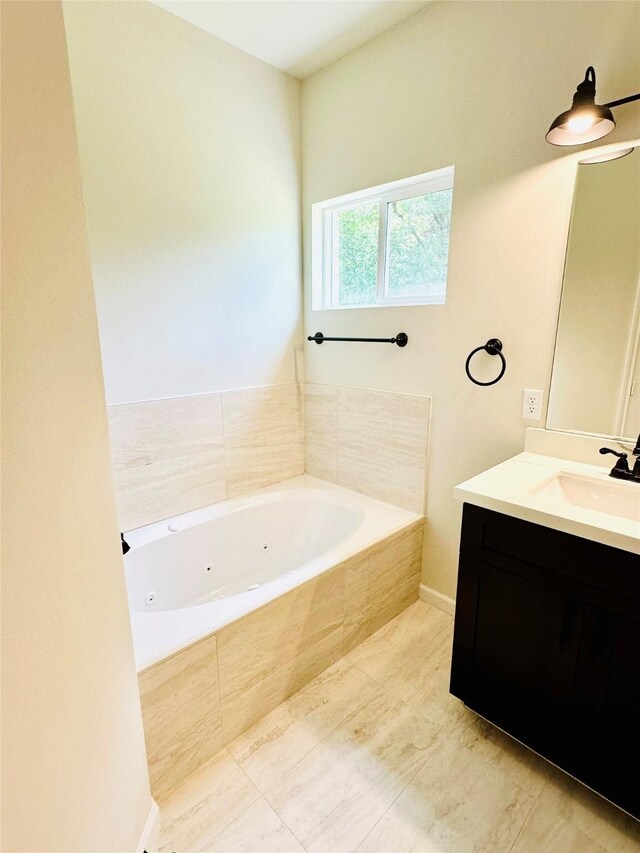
(532, 404)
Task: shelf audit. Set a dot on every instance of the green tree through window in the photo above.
(357, 256)
(387, 245)
(418, 245)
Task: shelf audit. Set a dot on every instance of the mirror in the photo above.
(595, 384)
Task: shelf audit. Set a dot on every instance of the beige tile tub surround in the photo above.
(208, 694)
(263, 436)
(168, 457)
(321, 431)
(164, 489)
(370, 441)
(143, 434)
(380, 582)
(172, 456)
(181, 714)
(272, 652)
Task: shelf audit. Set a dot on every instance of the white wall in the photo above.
(189, 151)
(598, 309)
(74, 775)
(476, 85)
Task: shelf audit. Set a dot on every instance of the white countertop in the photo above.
(511, 488)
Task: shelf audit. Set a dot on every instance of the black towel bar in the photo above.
(400, 339)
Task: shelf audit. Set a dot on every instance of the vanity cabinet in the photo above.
(547, 646)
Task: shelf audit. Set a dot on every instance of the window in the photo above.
(387, 245)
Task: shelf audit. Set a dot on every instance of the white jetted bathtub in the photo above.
(190, 575)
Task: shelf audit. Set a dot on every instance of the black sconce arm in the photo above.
(620, 101)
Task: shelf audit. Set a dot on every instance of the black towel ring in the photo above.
(493, 347)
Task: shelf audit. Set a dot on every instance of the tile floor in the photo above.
(376, 755)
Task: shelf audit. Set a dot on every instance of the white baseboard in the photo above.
(437, 599)
(151, 832)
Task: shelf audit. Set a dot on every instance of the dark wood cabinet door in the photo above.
(606, 704)
(515, 650)
(607, 684)
(547, 647)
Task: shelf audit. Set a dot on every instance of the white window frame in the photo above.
(324, 294)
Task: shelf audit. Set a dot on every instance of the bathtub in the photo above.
(189, 576)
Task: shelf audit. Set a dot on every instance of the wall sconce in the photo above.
(586, 121)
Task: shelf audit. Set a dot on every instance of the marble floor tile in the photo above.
(257, 830)
(411, 656)
(281, 739)
(204, 804)
(401, 649)
(334, 797)
(457, 802)
(566, 799)
(523, 766)
(375, 755)
(425, 684)
(546, 831)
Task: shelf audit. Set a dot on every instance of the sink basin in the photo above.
(619, 499)
(573, 497)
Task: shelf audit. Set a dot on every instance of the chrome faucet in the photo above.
(621, 470)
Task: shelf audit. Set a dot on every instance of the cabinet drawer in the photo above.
(507, 542)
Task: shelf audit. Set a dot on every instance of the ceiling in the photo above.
(297, 36)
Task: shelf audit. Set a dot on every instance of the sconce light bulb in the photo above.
(581, 122)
